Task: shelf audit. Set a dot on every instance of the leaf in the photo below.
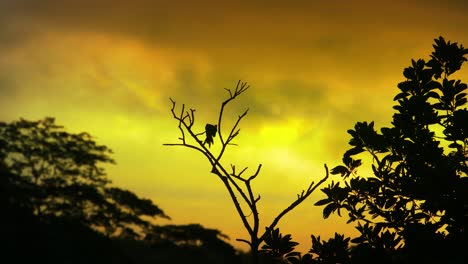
(354, 151)
(460, 102)
(329, 209)
(459, 96)
(409, 73)
(455, 145)
(323, 202)
(339, 170)
(433, 95)
(356, 163)
(390, 202)
(440, 106)
(400, 96)
(358, 240)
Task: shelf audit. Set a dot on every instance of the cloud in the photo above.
(244, 28)
(300, 40)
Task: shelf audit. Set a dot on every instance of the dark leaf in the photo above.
(322, 202)
(329, 209)
(339, 170)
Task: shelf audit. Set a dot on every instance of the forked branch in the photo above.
(235, 182)
(241, 87)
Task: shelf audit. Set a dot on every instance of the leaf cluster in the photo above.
(279, 248)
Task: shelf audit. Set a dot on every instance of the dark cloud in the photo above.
(238, 37)
(224, 26)
(161, 21)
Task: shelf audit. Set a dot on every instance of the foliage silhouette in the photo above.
(278, 248)
(58, 206)
(335, 250)
(66, 179)
(208, 244)
(414, 208)
(234, 181)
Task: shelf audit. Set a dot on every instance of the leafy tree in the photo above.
(414, 206)
(237, 185)
(53, 173)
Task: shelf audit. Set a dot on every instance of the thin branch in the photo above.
(298, 201)
(240, 88)
(243, 240)
(242, 171)
(257, 199)
(239, 189)
(238, 177)
(192, 119)
(186, 145)
(256, 173)
(237, 205)
(254, 208)
(199, 134)
(232, 134)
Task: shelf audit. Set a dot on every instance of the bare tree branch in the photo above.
(245, 241)
(240, 88)
(233, 180)
(217, 167)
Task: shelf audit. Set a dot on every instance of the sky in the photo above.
(315, 68)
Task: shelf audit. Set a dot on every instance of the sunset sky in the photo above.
(314, 68)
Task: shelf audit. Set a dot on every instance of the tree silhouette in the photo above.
(59, 206)
(414, 207)
(237, 185)
(54, 173)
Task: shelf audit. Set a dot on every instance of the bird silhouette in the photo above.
(210, 131)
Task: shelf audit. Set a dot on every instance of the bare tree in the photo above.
(238, 185)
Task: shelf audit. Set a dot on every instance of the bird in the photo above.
(210, 131)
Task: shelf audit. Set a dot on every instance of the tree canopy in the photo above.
(416, 199)
(64, 175)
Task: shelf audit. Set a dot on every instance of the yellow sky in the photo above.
(315, 68)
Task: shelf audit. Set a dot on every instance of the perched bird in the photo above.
(210, 131)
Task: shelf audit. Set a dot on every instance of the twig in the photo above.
(299, 200)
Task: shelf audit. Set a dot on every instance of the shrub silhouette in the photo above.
(414, 207)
